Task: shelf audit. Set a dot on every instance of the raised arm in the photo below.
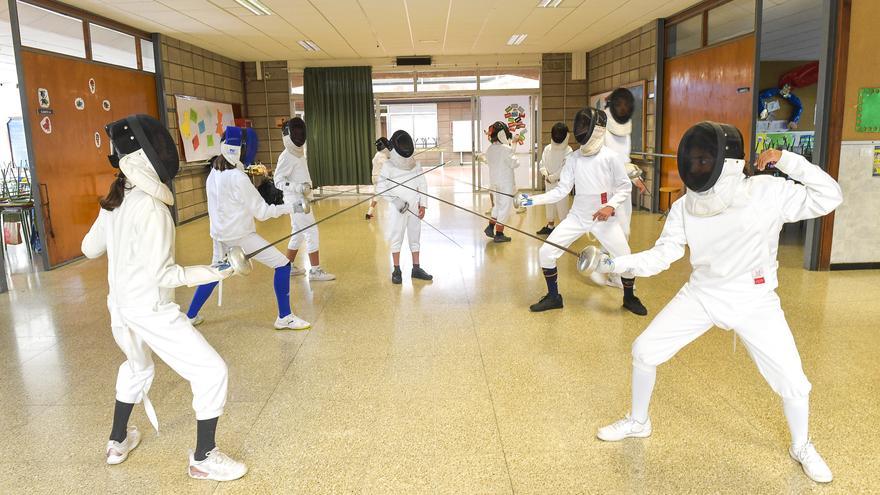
(817, 194)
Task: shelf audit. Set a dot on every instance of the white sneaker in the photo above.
(625, 428)
(198, 320)
(296, 271)
(598, 278)
(318, 274)
(813, 464)
(292, 322)
(217, 466)
(117, 452)
(614, 281)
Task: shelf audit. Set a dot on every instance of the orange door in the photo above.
(706, 85)
(71, 167)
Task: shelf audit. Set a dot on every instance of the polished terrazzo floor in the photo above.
(444, 387)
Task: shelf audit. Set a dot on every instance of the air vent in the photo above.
(413, 60)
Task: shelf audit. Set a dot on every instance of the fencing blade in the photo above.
(648, 153)
(435, 228)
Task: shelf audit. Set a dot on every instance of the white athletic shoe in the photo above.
(614, 281)
(813, 464)
(292, 322)
(117, 452)
(217, 466)
(198, 320)
(318, 274)
(598, 278)
(625, 428)
(296, 271)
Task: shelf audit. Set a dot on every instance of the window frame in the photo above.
(702, 10)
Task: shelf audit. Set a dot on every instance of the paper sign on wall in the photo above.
(201, 124)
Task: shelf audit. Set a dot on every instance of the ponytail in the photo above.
(116, 193)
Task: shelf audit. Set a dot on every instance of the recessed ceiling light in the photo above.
(255, 7)
(549, 3)
(517, 39)
(309, 45)
(429, 41)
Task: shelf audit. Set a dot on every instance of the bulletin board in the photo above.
(638, 119)
(201, 125)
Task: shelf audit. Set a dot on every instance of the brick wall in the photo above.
(193, 71)
(561, 97)
(268, 100)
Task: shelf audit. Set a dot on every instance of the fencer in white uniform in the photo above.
(293, 178)
(731, 225)
(233, 204)
(502, 162)
(408, 203)
(383, 153)
(601, 186)
(552, 160)
(134, 228)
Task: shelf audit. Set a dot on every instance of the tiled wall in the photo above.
(192, 71)
(628, 59)
(268, 101)
(561, 97)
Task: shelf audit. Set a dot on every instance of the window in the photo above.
(51, 31)
(510, 78)
(148, 58)
(730, 20)
(685, 36)
(446, 81)
(419, 120)
(296, 83)
(112, 47)
(393, 82)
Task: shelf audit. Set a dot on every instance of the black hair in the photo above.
(221, 163)
(116, 193)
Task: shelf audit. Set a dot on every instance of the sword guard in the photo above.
(588, 259)
(306, 205)
(240, 263)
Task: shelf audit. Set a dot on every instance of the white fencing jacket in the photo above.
(400, 170)
(233, 203)
(501, 162)
(599, 180)
(736, 249)
(553, 159)
(290, 174)
(138, 238)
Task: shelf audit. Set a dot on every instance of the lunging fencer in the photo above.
(409, 204)
(601, 186)
(731, 224)
(135, 229)
(502, 162)
(293, 178)
(383, 153)
(233, 204)
(552, 160)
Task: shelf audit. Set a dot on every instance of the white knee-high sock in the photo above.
(643, 378)
(797, 414)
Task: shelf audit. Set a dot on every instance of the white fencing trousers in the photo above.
(572, 227)
(557, 212)
(405, 223)
(624, 215)
(310, 235)
(167, 332)
(760, 325)
(503, 207)
(271, 257)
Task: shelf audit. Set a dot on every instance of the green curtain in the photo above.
(341, 124)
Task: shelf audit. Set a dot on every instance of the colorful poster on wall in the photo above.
(513, 111)
(201, 125)
(875, 168)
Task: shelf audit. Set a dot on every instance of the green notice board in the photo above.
(868, 112)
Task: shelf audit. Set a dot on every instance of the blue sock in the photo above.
(203, 292)
(282, 290)
(550, 275)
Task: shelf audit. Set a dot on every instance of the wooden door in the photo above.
(706, 85)
(71, 165)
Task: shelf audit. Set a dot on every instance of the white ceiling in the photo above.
(791, 30)
(362, 29)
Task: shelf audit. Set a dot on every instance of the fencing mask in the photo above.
(589, 130)
(382, 144)
(402, 149)
(620, 106)
(710, 163)
(293, 134)
(239, 146)
(499, 133)
(142, 132)
(559, 133)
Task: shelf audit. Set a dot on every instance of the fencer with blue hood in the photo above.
(552, 160)
(502, 162)
(293, 178)
(731, 225)
(135, 230)
(233, 204)
(408, 203)
(599, 179)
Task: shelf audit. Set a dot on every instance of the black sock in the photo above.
(205, 429)
(551, 275)
(396, 268)
(121, 413)
(416, 266)
(628, 286)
